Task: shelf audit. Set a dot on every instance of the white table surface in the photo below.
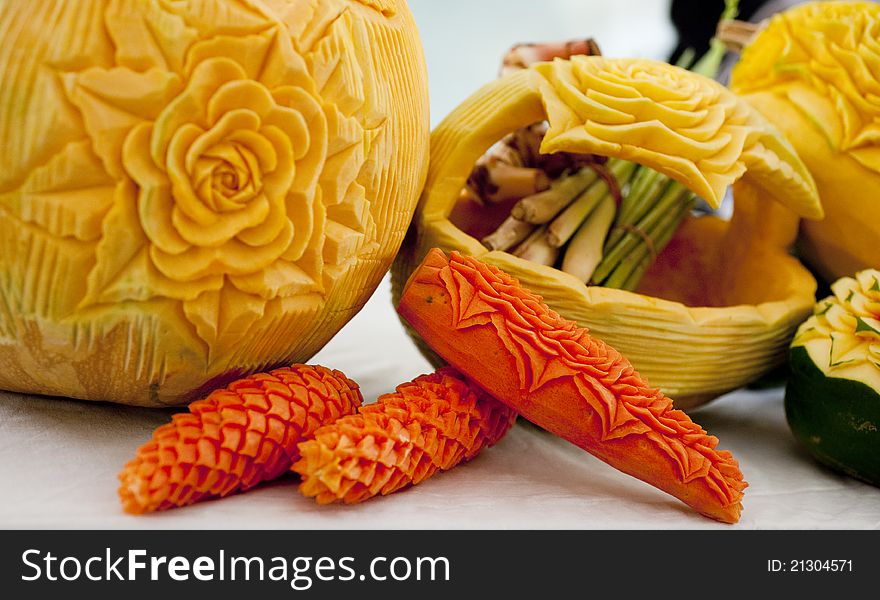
(59, 458)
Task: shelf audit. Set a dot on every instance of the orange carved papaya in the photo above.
(235, 438)
(431, 423)
(503, 337)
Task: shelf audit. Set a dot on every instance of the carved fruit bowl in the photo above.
(721, 303)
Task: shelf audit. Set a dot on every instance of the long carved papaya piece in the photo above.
(235, 438)
(481, 321)
(429, 424)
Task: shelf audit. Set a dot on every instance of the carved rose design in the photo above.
(197, 190)
(219, 201)
(825, 59)
(228, 182)
(844, 331)
(682, 124)
(685, 125)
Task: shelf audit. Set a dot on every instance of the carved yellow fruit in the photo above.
(193, 191)
(815, 73)
(721, 303)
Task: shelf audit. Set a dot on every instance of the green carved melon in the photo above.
(832, 401)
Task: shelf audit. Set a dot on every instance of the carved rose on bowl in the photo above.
(691, 125)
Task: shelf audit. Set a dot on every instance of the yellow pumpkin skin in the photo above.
(721, 304)
(815, 73)
(194, 191)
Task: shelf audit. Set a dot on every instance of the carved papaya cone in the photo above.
(429, 424)
(235, 437)
(553, 373)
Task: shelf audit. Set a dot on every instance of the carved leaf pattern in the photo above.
(67, 197)
(147, 37)
(547, 347)
(214, 131)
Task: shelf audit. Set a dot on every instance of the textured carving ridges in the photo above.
(547, 347)
(430, 424)
(824, 58)
(224, 165)
(503, 337)
(235, 438)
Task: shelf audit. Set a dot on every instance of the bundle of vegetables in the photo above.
(603, 221)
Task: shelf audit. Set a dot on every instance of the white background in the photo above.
(59, 458)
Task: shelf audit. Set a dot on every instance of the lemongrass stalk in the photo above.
(537, 249)
(510, 233)
(637, 186)
(584, 252)
(496, 181)
(521, 56)
(563, 227)
(631, 239)
(642, 199)
(686, 59)
(526, 143)
(644, 192)
(738, 35)
(663, 239)
(638, 179)
(635, 278)
(659, 233)
(542, 207)
(511, 181)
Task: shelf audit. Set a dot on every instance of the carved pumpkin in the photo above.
(815, 72)
(721, 303)
(194, 191)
